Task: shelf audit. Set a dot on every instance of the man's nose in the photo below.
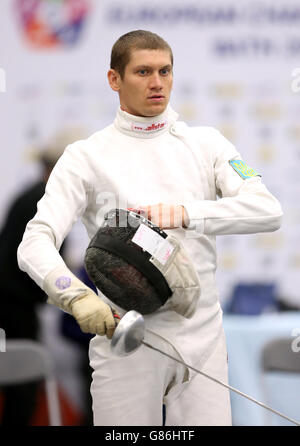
(155, 81)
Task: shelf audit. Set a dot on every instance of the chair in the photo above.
(252, 299)
(278, 356)
(25, 361)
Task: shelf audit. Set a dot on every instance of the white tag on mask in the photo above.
(153, 243)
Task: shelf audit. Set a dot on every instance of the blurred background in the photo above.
(236, 68)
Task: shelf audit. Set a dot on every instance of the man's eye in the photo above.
(143, 72)
(164, 72)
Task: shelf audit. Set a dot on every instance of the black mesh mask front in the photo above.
(121, 269)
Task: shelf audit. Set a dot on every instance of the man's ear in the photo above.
(114, 79)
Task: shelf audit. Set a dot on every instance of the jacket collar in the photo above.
(141, 127)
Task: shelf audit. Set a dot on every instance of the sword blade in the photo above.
(265, 406)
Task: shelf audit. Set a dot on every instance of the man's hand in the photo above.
(93, 315)
(166, 216)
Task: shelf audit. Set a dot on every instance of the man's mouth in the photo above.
(156, 98)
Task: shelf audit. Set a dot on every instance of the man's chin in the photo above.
(154, 110)
(149, 111)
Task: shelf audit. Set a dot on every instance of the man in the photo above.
(173, 173)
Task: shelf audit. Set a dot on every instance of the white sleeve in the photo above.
(64, 201)
(245, 205)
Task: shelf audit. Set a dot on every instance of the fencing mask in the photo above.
(137, 266)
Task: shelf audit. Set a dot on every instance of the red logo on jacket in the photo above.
(149, 128)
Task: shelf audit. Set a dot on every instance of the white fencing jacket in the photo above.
(143, 161)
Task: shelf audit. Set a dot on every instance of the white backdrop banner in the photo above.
(237, 68)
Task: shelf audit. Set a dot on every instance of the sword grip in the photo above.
(116, 316)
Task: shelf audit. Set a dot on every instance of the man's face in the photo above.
(147, 82)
